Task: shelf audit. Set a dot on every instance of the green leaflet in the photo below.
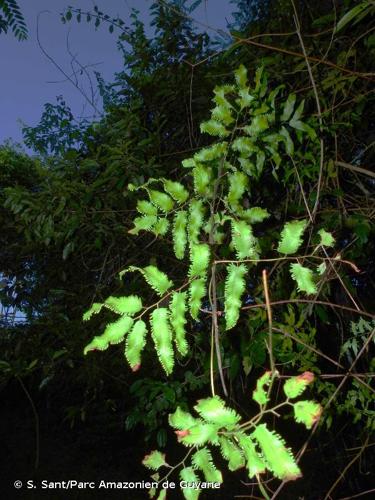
(223, 113)
(295, 386)
(176, 190)
(289, 145)
(279, 459)
(197, 292)
(245, 146)
(146, 208)
(199, 260)
(214, 128)
(200, 434)
(291, 236)
(135, 342)
(182, 420)
(202, 177)
(162, 495)
(196, 215)
(258, 125)
(326, 238)
(177, 309)
(144, 223)
(188, 475)
(161, 227)
(213, 410)
(254, 215)
(114, 333)
(161, 200)
(234, 288)
(260, 394)
(307, 412)
(94, 309)
(162, 336)
(179, 234)
(288, 107)
(248, 167)
(99, 343)
(254, 462)
(232, 453)
(202, 459)
(298, 125)
(124, 305)
(211, 152)
(237, 186)
(304, 278)
(244, 242)
(154, 460)
(240, 75)
(157, 280)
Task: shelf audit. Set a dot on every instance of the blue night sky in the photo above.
(28, 79)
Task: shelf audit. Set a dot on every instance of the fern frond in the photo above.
(202, 177)
(196, 217)
(254, 462)
(146, 208)
(304, 278)
(124, 305)
(202, 459)
(179, 234)
(135, 342)
(237, 186)
(213, 410)
(177, 309)
(176, 190)
(245, 98)
(244, 242)
(211, 152)
(291, 236)
(199, 260)
(279, 459)
(94, 309)
(234, 288)
(161, 200)
(144, 223)
(232, 453)
(162, 337)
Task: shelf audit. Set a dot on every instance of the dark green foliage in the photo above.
(11, 18)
